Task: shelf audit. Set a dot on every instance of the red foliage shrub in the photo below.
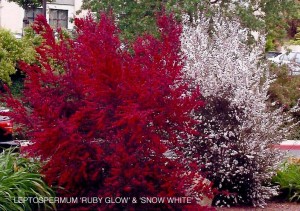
(107, 119)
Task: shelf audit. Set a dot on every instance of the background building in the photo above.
(59, 13)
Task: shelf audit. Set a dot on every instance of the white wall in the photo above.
(11, 16)
(78, 4)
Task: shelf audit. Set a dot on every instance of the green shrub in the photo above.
(296, 40)
(288, 179)
(285, 89)
(13, 50)
(19, 178)
(270, 45)
(17, 87)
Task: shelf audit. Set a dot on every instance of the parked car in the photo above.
(6, 125)
(291, 59)
(272, 54)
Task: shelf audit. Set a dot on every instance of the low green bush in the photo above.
(17, 87)
(285, 92)
(288, 179)
(19, 178)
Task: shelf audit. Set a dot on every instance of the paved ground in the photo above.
(294, 48)
(270, 207)
(292, 147)
(294, 153)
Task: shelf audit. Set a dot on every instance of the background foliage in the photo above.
(28, 3)
(11, 51)
(138, 16)
(285, 92)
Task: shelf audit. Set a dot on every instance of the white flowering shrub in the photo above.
(296, 114)
(235, 149)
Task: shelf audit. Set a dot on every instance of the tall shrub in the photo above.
(236, 153)
(107, 119)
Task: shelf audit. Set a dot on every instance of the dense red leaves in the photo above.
(104, 116)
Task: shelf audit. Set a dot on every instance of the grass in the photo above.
(19, 178)
(288, 179)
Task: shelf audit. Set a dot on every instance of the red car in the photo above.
(6, 126)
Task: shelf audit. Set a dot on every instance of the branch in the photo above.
(214, 1)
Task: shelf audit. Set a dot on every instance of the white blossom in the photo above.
(234, 81)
